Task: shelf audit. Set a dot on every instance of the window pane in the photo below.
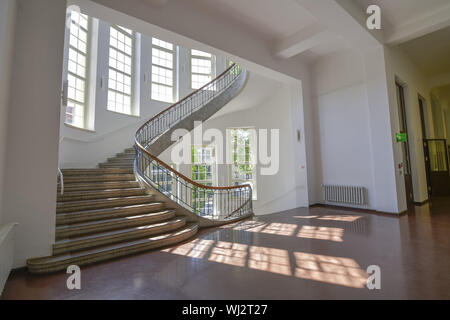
(200, 53)
(242, 169)
(162, 71)
(162, 44)
(203, 173)
(120, 69)
(76, 67)
(201, 68)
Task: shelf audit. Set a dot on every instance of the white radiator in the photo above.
(344, 194)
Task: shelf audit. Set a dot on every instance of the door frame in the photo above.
(426, 155)
(401, 89)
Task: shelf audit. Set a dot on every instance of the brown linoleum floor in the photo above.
(315, 253)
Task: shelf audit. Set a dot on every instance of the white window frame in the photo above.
(253, 181)
(213, 67)
(132, 75)
(173, 52)
(212, 163)
(87, 69)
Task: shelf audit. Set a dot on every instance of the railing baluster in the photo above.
(225, 202)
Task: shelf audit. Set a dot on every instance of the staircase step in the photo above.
(108, 213)
(100, 194)
(116, 165)
(80, 229)
(110, 237)
(126, 155)
(73, 206)
(98, 178)
(120, 160)
(96, 171)
(99, 186)
(130, 150)
(61, 262)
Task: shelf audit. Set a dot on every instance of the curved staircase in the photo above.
(123, 207)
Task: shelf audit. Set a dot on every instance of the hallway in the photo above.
(315, 253)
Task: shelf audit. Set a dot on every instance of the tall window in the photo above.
(77, 69)
(203, 165)
(202, 68)
(120, 83)
(242, 169)
(163, 66)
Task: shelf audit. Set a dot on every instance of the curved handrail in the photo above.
(218, 203)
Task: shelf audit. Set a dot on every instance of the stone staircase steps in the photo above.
(120, 161)
(73, 206)
(95, 171)
(116, 165)
(100, 194)
(126, 155)
(130, 150)
(98, 178)
(108, 213)
(81, 258)
(115, 236)
(108, 185)
(92, 227)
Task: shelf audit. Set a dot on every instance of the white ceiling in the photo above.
(273, 19)
(400, 12)
(431, 53)
(443, 93)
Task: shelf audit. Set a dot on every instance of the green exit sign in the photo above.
(401, 137)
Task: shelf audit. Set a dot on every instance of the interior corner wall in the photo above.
(437, 117)
(8, 12)
(400, 67)
(303, 117)
(341, 123)
(385, 176)
(33, 127)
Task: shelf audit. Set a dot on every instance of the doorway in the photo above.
(426, 154)
(405, 145)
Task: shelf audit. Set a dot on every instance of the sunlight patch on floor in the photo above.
(194, 249)
(345, 218)
(321, 233)
(328, 269)
(308, 266)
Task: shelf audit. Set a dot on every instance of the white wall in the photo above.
(281, 191)
(357, 118)
(8, 12)
(33, 127)
(342, 122)
(399, 66)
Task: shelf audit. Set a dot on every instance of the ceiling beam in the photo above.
(344, 18)
(420, 26)
(301, 41)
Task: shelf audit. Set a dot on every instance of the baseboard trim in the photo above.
(421, 203)
(371, 211)
(19, 270)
